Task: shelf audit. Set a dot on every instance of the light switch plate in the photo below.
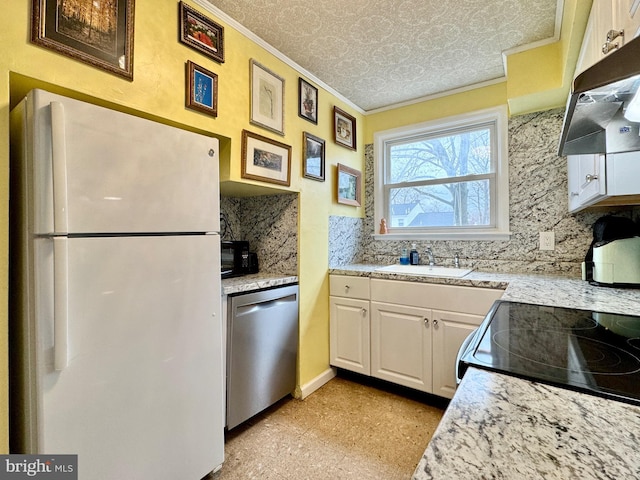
(547, 241)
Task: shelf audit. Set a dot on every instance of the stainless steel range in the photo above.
(593, 352)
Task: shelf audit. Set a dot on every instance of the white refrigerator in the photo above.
(116, 328)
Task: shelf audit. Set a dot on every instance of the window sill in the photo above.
(445, 236)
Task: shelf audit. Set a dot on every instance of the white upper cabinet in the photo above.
(611, 24)
(603, 180)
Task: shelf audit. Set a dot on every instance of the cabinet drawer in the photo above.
(452, 298)
(349, 287)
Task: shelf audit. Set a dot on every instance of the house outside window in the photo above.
(445, 179)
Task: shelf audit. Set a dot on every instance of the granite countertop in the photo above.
(551, 290)
(256, 281)
(502, 427)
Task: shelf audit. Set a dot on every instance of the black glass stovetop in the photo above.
(583, 350)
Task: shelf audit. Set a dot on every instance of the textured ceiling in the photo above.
(378, 53)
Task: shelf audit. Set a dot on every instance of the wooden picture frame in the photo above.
(307, 101)
(313, 155)
(265, 159)
(349, 186)
(344, 128)
(201, 33)
(201, 89)
(65, 29)
(267, 98)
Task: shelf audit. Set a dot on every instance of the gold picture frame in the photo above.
(349, 186)
(344, 128)
(201, 33)
(265, 159)
(201, 89)
(99, 34)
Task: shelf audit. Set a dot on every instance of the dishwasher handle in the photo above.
(264, 305)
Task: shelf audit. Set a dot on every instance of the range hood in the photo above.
(594, 121)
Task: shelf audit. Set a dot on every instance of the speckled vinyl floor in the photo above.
(344, 430)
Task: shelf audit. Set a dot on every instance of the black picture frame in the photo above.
(307, 101)
(313, 157)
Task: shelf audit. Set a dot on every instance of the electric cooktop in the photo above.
(589, 351)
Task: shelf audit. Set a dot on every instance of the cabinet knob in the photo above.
(435, 322)
(346, 288)
(590, 178)
(426, 322)
(364, 312)
(609, 47)
(613, 34)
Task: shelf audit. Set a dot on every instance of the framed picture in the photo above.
(201, 89)
(201, 33)
(313, 157)
(267, 98)
(265, 159)
(307, 101)
(97, 33)
(349, 186)
(344, 128)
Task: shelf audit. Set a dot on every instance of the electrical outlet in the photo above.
(547, 241)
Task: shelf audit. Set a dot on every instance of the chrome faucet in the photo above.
(432, 260)
(456, 260)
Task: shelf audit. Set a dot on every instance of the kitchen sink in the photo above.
(428, 270)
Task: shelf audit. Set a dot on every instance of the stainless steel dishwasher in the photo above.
(262, 350)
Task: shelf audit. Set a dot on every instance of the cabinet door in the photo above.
(401, 345)
(449, 331)
(349, 334)
(628, 17)
(586, 180)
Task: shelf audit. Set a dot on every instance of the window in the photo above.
(446, 179)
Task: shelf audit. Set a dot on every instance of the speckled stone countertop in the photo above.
(257, 281)
(502, 427)
(554, 291)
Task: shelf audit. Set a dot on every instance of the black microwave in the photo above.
(236, 259)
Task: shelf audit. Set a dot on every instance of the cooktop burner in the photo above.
(589, 351)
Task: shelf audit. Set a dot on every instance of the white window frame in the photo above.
(500, 229)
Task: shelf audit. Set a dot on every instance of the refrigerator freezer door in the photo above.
(102, 171)
(141, 394)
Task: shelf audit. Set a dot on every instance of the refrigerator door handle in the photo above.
(60, 308)
(59, 161)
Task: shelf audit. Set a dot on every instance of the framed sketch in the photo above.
(312, 157)
(201, 33)
(344, 128)
(265, 159)
(307, 101)
(97, 33)
(267, 98)
(349, 186)
(201, 89)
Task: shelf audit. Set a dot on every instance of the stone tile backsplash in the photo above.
(269, 223)
(538, 202)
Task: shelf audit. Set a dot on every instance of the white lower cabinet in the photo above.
(450, 329)
(349, 323)
(349, 328)
(401, 349)
(407, 333)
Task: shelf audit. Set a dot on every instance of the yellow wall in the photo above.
(158, 92)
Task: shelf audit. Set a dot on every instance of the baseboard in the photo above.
(308, 388)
